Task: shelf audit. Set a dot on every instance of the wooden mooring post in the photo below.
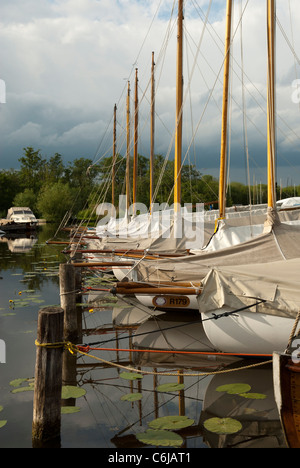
(67, 283)
(46, 422)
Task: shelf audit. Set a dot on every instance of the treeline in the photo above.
(51, 188)
(47, 186)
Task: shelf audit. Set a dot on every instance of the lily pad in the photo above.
(2, 423)
(17, 382)
(171, 422)
(234, 389)
(170, 387)
(223, 425)
(70, 409)
(21, 304)
(1, 408)
(132, 397)
(160, 438)
(130, 376)
(71, 391)
(22, 389)
(254, 396)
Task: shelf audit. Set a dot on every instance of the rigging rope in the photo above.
(214, 317)
(74, 349)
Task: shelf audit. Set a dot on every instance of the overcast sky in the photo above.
(65, 64)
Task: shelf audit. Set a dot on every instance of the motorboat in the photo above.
(19, 218)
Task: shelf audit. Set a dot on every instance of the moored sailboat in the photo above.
(271, 258)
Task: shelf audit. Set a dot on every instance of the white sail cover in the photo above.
(277, 283)
(280, 242)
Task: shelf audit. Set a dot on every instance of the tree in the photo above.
(32, 169)
(55, 200)
(54, 169)
(10, 185)
(26, 198)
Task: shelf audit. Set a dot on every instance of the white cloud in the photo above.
(66, 63)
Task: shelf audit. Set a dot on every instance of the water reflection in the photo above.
(201, 375)
(126, 334)
(19, 243)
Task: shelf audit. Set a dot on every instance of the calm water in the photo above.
(29, 281)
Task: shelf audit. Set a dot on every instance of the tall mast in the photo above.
(223, 155)
(271, 12)
(135, 150)
(114, 157)
(179, 98)
(152, 129)
(128, 149)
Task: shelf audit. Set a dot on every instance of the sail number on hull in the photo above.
(171, 301)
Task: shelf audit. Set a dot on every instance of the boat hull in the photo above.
(246, 332)
(168, 301)
(286, 378)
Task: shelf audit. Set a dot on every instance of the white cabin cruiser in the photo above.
(19, 218)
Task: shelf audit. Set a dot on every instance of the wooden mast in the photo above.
(223, 155)
(179, 99)
(135, 150)
(128, 150)
(271, 11)
(114, 157)
(152, 129)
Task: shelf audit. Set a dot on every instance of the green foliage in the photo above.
(26, 198)
(54, 200)
(130, 376)
(171, 423)
(32, 169)
(170, 387)
(160, 438)
(132, 397)
(10, 185)
(241, 389)
(234, 389)
(79, 184)
(71, 391)
(223, 425)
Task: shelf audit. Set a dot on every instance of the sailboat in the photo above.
(133, 240)
(248, 298)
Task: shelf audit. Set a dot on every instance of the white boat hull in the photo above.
(246, 332)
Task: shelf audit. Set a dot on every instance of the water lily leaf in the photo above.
(70, 391)
(2, 423)
(170, 387)
(17, 382)
(235, 388)
(130, 376)
(171, 422)
(160, 438)
(22, 389)
(21, 304)
(70, 409)
(1, 408)
(132, 397)
(223, 425)
(254, 396)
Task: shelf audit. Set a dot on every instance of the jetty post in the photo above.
(67, 283)
(46, 423)
(76, 256)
